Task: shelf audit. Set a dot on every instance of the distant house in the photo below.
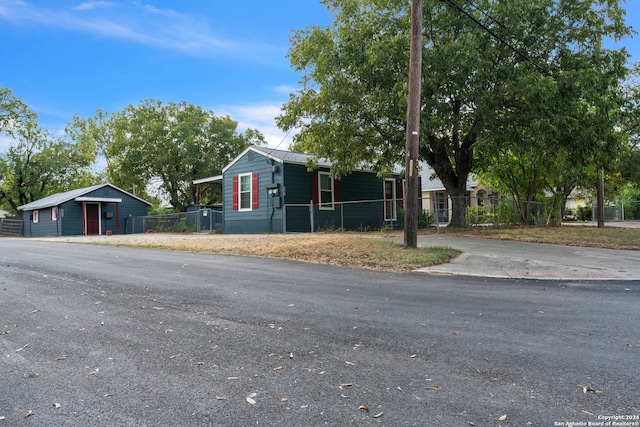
(95, 210)
(271, 191)
(435, 196)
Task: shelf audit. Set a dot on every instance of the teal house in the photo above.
(99, 209)
(272, 191)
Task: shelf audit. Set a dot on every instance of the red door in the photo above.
(93, 219)
(389, 200)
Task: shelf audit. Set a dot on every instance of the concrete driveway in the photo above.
(510, 259)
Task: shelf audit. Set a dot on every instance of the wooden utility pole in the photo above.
(413, 128)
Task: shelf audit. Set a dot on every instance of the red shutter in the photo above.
(255, 194)
(400, 193)
(234, 191)
(336, 192)
(314, 188)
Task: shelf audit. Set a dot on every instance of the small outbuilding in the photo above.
(99, 209)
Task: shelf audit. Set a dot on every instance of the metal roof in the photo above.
(59, 198)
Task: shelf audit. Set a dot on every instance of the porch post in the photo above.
(84, 218)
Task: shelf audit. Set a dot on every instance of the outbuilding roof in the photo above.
(59, 198)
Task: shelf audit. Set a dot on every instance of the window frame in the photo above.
(327, 206)
(35, 217)
(54, 213)
(249, 177)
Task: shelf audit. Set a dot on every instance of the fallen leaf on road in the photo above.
(22, 348)
(588, 389)
(455, 333)
(250, 398)
(56, 405)
(345, 385)
(435, 387)
(94, 372)
(278, 368)
(363, 408)
(28, 414)
(221, 398)
(378, 415)
(61, 357)
(502, 418)
(350, 363)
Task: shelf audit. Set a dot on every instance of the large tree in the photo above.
(166, 145)
(352, 104)
(36, 163)
(14, 113)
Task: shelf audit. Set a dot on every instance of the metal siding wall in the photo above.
(71, 218)
(257, 220)
(297, 181)
(45, 227)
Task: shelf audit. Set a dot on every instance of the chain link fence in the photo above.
(371, 215)
(435, 211)
(206, 220)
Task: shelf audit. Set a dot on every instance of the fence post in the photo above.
(311, 214)
(342, 216)
(435, 209)
(284, 218)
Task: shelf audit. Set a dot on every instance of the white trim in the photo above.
(36, 216)
(217, 178)
(240, 176)
(325, 206)
(246, 150)
(98, 199)
(54, 213)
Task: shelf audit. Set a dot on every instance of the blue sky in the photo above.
(64, 56)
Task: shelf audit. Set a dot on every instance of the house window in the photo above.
(54, 213)
(244, 192)
(36, 217)
(325, 190)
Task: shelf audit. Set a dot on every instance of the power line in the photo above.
(454, 5)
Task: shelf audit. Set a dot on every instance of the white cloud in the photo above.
(5, 142)
(261, 117)
(90, 5)
(286, 89)
(147, 25)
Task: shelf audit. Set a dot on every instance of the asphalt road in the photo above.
(109, 336)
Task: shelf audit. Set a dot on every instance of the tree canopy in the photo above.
(165, 146)
(485, 65)
(37, 164)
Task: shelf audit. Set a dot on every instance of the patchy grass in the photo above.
(368, 250)
(568, 235)
(346, 249)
